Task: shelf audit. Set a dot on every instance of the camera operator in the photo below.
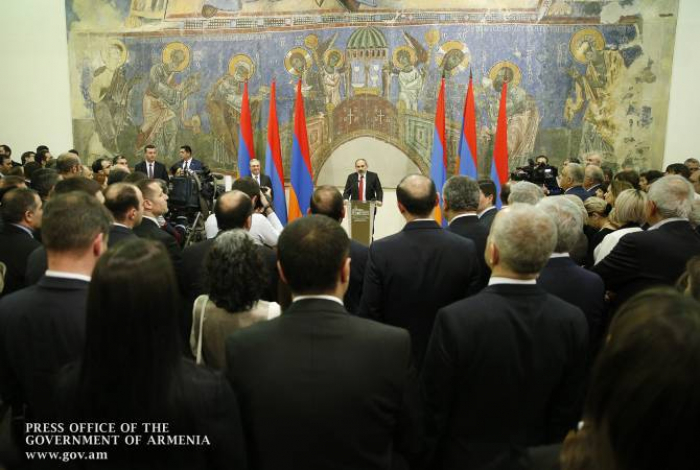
(539, 172)
(265, 227)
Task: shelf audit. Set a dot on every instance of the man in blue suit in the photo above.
(187, 163)
(571, 181)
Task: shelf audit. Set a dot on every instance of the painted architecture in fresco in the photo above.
(582, 76)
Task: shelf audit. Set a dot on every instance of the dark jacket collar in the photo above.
(422, 225)
(50, 282)
(560, 262)
(315, 306)
(514, 289)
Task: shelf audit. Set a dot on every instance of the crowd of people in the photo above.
(557, 331)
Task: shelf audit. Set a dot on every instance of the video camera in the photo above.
(540, 174)
(191, 200)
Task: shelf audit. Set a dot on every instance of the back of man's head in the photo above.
(232, 210)
(68, 163)
(488, 188)
(673, 196)
(594, 175)
(120, 198)
(575, 172)
(461, 194)
(117, 175)
(525, 192)
(417, 194)
(16, 202)
(678, 169)
(79, 183)
(248, 185)
(312, 251)
(43, 181)
(72, 221)
(567, 218)
(327, 200)
(525, 237)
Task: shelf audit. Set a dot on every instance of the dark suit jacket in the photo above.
(159, 171)
(579, 287)
(373, 188)
(358, 255)
(578, 191)
(470, 227)
(322, 389)
(266, 181)
(42, 328)
(195, 165)
(148, 229)
(412, 274)
(593, 189)
(505, 367)
(37, 262)
(15, 247)
(487, 217)
(645, 259)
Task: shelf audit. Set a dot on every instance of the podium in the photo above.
(361, 221)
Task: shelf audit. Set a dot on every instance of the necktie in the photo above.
(150, 170)
(362, 188)
(187, 166)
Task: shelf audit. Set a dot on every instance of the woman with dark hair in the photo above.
(689, 282)
(132, 370)
(643, 406)
(631, 177)
(235, 277)
(647, 178)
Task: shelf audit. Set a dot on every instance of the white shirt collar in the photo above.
(667, 221)
(559, 255)
(26, 229)
(468, 214)
(323, 297)
(505, 280)
(485, 211)
(67, 275)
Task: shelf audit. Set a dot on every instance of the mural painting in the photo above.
(580, 79)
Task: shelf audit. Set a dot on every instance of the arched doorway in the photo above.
(388, 161)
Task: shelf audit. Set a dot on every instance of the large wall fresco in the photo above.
(582, 76)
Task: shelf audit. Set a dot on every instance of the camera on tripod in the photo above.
(537, 172)
(191, 200)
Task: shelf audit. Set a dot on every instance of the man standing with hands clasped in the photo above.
(363, 185)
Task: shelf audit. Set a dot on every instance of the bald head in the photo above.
(417, 195)
(327, 200)
(233, 210)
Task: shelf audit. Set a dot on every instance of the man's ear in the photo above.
(402, 209)
(248, 223)
(345, 271)
(99, 245)
(281, 271)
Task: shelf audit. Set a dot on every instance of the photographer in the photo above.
(539, 172)
(266, 227)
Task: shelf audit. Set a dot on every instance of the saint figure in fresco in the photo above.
(109, 92)
(332, 74)
(164, 102)
(595, 90)
(410, 78)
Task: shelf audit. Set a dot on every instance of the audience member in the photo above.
(678, 169)
(571, 181)
(629, 215)
(5, 165)
(125, 202)
(594, 159)
(593, 178)
(43, 181)
(5, 150)
(333, 368)
(563, 277)
(43, 157)
(235, 277)
(132, 371)
(505, 194)
(607, 174)
(631, 177)
(68, 165)
(647, 178)
(487, 203)
(524, 192)
(150, 167)
(412, 274)
(693, 164)
(505, 367)
(155, 205)
(579, 253)
(615, 189)
(121, 162)
(133, 178)
(642, 410)
(598, 225)
(21, 217)
(29, 169)
(16, 170)
(328, 201)
(689, 282)
(657, 255)
(266, 226)
(42, 327)
(11, 182)
(101, 168)
(460, 197)
(28, 157)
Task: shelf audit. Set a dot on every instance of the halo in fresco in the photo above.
(115, 43)
(506, 64)
(176, 46)
(411, 54)
(327, 55)
(241, 59)
(297, 51)
(592, 36)
(446, 51)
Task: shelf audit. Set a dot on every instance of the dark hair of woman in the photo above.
(235, 274)
(689, 282)
(132, 358)
(643, 406)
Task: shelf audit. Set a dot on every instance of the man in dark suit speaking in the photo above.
(363, 185)
(187, 163)
(149, 165)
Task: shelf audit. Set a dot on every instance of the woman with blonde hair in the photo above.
(629, 215)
